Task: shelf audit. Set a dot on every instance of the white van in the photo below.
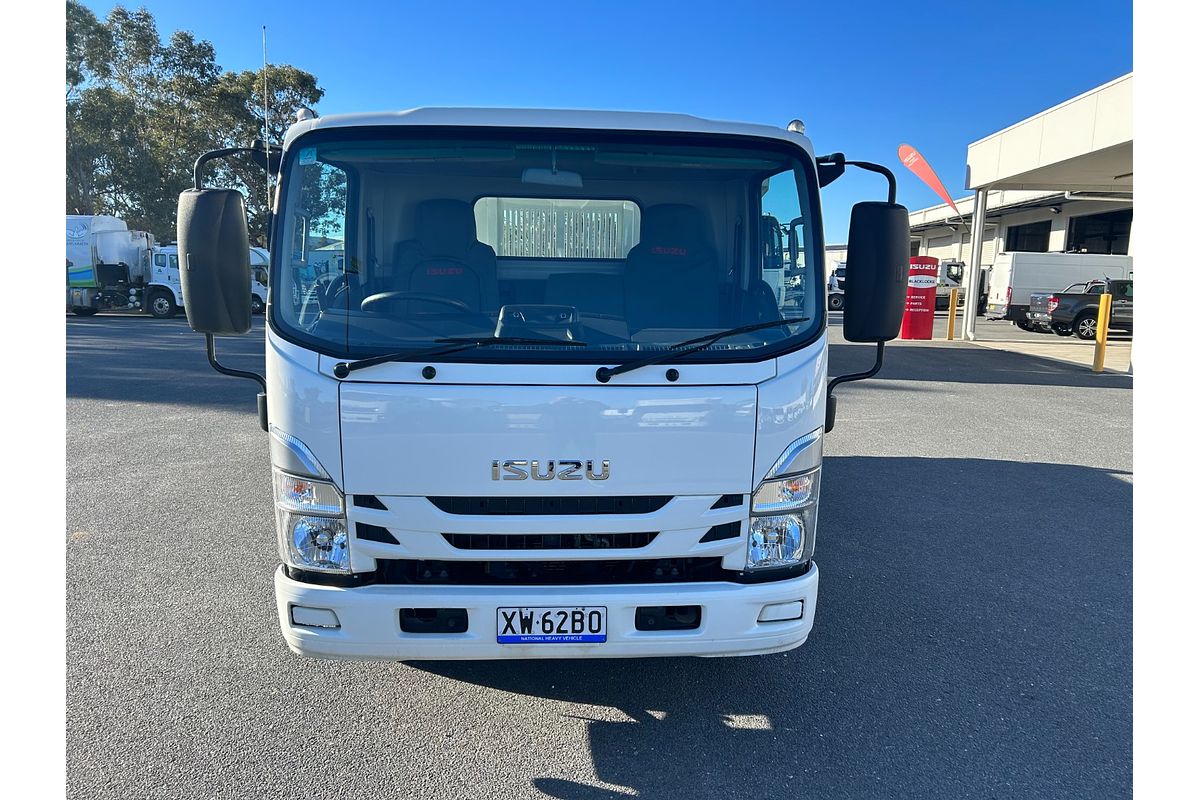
(1015, 276)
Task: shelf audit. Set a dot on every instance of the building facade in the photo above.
(1027, 221)
(1059, 181)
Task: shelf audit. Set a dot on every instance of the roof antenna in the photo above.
(266, 117)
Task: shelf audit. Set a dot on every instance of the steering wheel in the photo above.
(320, 295)
(384, 297)
(328, 287)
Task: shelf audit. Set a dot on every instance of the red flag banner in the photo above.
(920, 167)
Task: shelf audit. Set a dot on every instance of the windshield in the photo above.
(629, 245)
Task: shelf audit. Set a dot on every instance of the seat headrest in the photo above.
(445, 228)
(674, 229)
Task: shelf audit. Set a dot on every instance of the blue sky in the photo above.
(864, 76)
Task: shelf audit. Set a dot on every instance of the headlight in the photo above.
(311, 521)
(316, 543)
(783, 511)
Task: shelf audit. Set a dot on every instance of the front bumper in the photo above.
(370, 619)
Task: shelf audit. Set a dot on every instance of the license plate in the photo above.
(552, 625)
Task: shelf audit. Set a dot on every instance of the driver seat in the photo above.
(446, 259)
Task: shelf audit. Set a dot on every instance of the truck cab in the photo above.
(165, 295)
(531, 389)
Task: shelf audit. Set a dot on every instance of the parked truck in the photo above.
(1076, 310)
(952, 275)
(166, 272)
(109, 265)
(836, 295)
(485, 447)
(1015, 276)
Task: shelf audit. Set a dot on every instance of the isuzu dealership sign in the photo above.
(922, 297)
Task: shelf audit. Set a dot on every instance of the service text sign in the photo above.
(922, 298)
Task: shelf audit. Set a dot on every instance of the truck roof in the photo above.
(547, 118)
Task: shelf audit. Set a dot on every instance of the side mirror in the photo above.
(214, 260)
(876, 272)
(793, 241)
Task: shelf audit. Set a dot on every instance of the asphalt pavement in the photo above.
(972, 638)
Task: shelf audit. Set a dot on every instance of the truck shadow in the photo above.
(973, 638)
(139, 359)
(968, 364)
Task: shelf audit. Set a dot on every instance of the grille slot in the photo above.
(374, 533)
(369, 501)
(549, 541)
(728, 501)
(539, 506)
(730, 530)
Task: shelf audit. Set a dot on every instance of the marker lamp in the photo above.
(306, 495)
(786, 494)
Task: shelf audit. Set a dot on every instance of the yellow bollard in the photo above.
(953, 315)
(1102, 331)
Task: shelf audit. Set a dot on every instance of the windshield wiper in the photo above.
(446, 346)
(681, 349)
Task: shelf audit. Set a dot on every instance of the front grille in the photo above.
(549, 541)
(551, 573)
(537, 506)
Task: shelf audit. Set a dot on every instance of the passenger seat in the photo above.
(673, 275)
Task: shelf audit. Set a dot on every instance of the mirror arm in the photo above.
(257, 151)
(831, 401)
(212, 155)
(211, 346)
(882, 170)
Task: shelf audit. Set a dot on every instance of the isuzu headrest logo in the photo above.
(562, 469)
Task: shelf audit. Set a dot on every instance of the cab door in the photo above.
(1121, 316)
(158, 274)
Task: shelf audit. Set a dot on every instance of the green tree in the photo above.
(239, 110)
(140, 110)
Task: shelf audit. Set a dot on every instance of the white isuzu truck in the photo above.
(166, 272)
(544, 403)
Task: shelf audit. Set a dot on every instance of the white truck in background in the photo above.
(835, 292)
(111, 268)
(108, 265)
(166, 269)
(1014, 276)
(951, 275)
